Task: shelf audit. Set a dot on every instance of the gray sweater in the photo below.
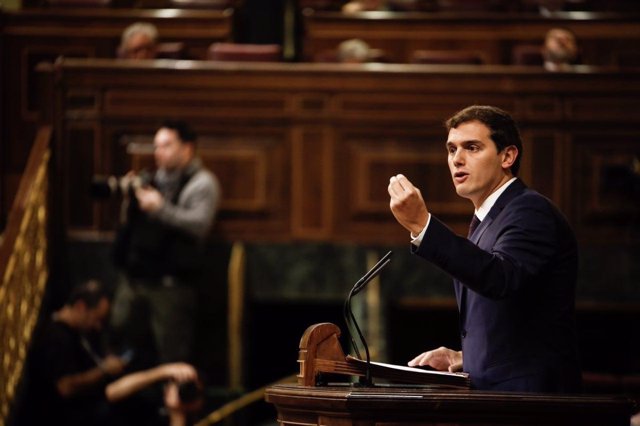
(197, 204)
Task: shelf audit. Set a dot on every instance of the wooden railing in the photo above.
(604, 38)
(23, 269)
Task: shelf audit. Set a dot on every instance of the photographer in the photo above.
(183, 402)
(160, 250)
(182, 392)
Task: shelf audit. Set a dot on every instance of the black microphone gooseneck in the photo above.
(346, 312)
(351, 320)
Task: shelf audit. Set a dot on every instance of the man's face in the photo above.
(560, 46)
(140, 46)
(476, 167)
(95, 318)
(169, 151)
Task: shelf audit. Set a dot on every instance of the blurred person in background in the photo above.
(138, 396)
(67, 369)
(353, 51)
(160, 250)
(355, 6)
(560, 50)
(139, 41)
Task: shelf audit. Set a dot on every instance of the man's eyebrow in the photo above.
(465, 142)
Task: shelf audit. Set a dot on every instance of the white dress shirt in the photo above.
(481, 212)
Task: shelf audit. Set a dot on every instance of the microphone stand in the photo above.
(350, 319)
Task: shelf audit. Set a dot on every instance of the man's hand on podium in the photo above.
(442, 359)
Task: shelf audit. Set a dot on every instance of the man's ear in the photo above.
(191, 148)
(509, 155)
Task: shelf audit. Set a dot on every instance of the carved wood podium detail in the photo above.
(320, 352)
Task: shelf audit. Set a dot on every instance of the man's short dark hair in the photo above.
(90, 292)
(504, 131)
(184, 131)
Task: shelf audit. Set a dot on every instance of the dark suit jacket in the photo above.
(515, 286)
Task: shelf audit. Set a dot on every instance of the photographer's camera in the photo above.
(109, 186)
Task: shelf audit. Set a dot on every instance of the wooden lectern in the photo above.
(320, 352)
(431, 404)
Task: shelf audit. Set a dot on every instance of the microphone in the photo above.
(350, 319)
(372, 273)
(362, 282)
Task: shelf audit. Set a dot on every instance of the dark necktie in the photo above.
(473, 225)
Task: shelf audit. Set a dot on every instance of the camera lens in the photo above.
(188, 391)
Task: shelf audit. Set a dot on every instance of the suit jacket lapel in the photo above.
(515, 189)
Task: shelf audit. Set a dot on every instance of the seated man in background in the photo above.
(355, 6)
(71, 382)
(353, 51)
(67, 372)
(139, 41)
(560, 50)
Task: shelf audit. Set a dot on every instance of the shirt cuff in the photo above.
(417, 240)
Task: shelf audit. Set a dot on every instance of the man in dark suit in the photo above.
(514, 276)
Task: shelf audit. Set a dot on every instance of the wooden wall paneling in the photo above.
(193, 103)
(495, 34)
(542, 159)
(605, 186)
(312, 181)
(30, 36)
(548, 107)
(368, 158)
(83, 103)
(100, 29)
(254, 169)
(20, 90)
(241, 163)
(33, 54)
(599, 41)
(103, 27)
(81, 155)
(542, 162)
(399, 34)
(312, 165)
(604, 107)
(417, 105)
(344, 130)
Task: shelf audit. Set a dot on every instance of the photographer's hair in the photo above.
(504, 131)
(184, 131)
(90, 292)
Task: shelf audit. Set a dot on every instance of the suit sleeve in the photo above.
(525, 243)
